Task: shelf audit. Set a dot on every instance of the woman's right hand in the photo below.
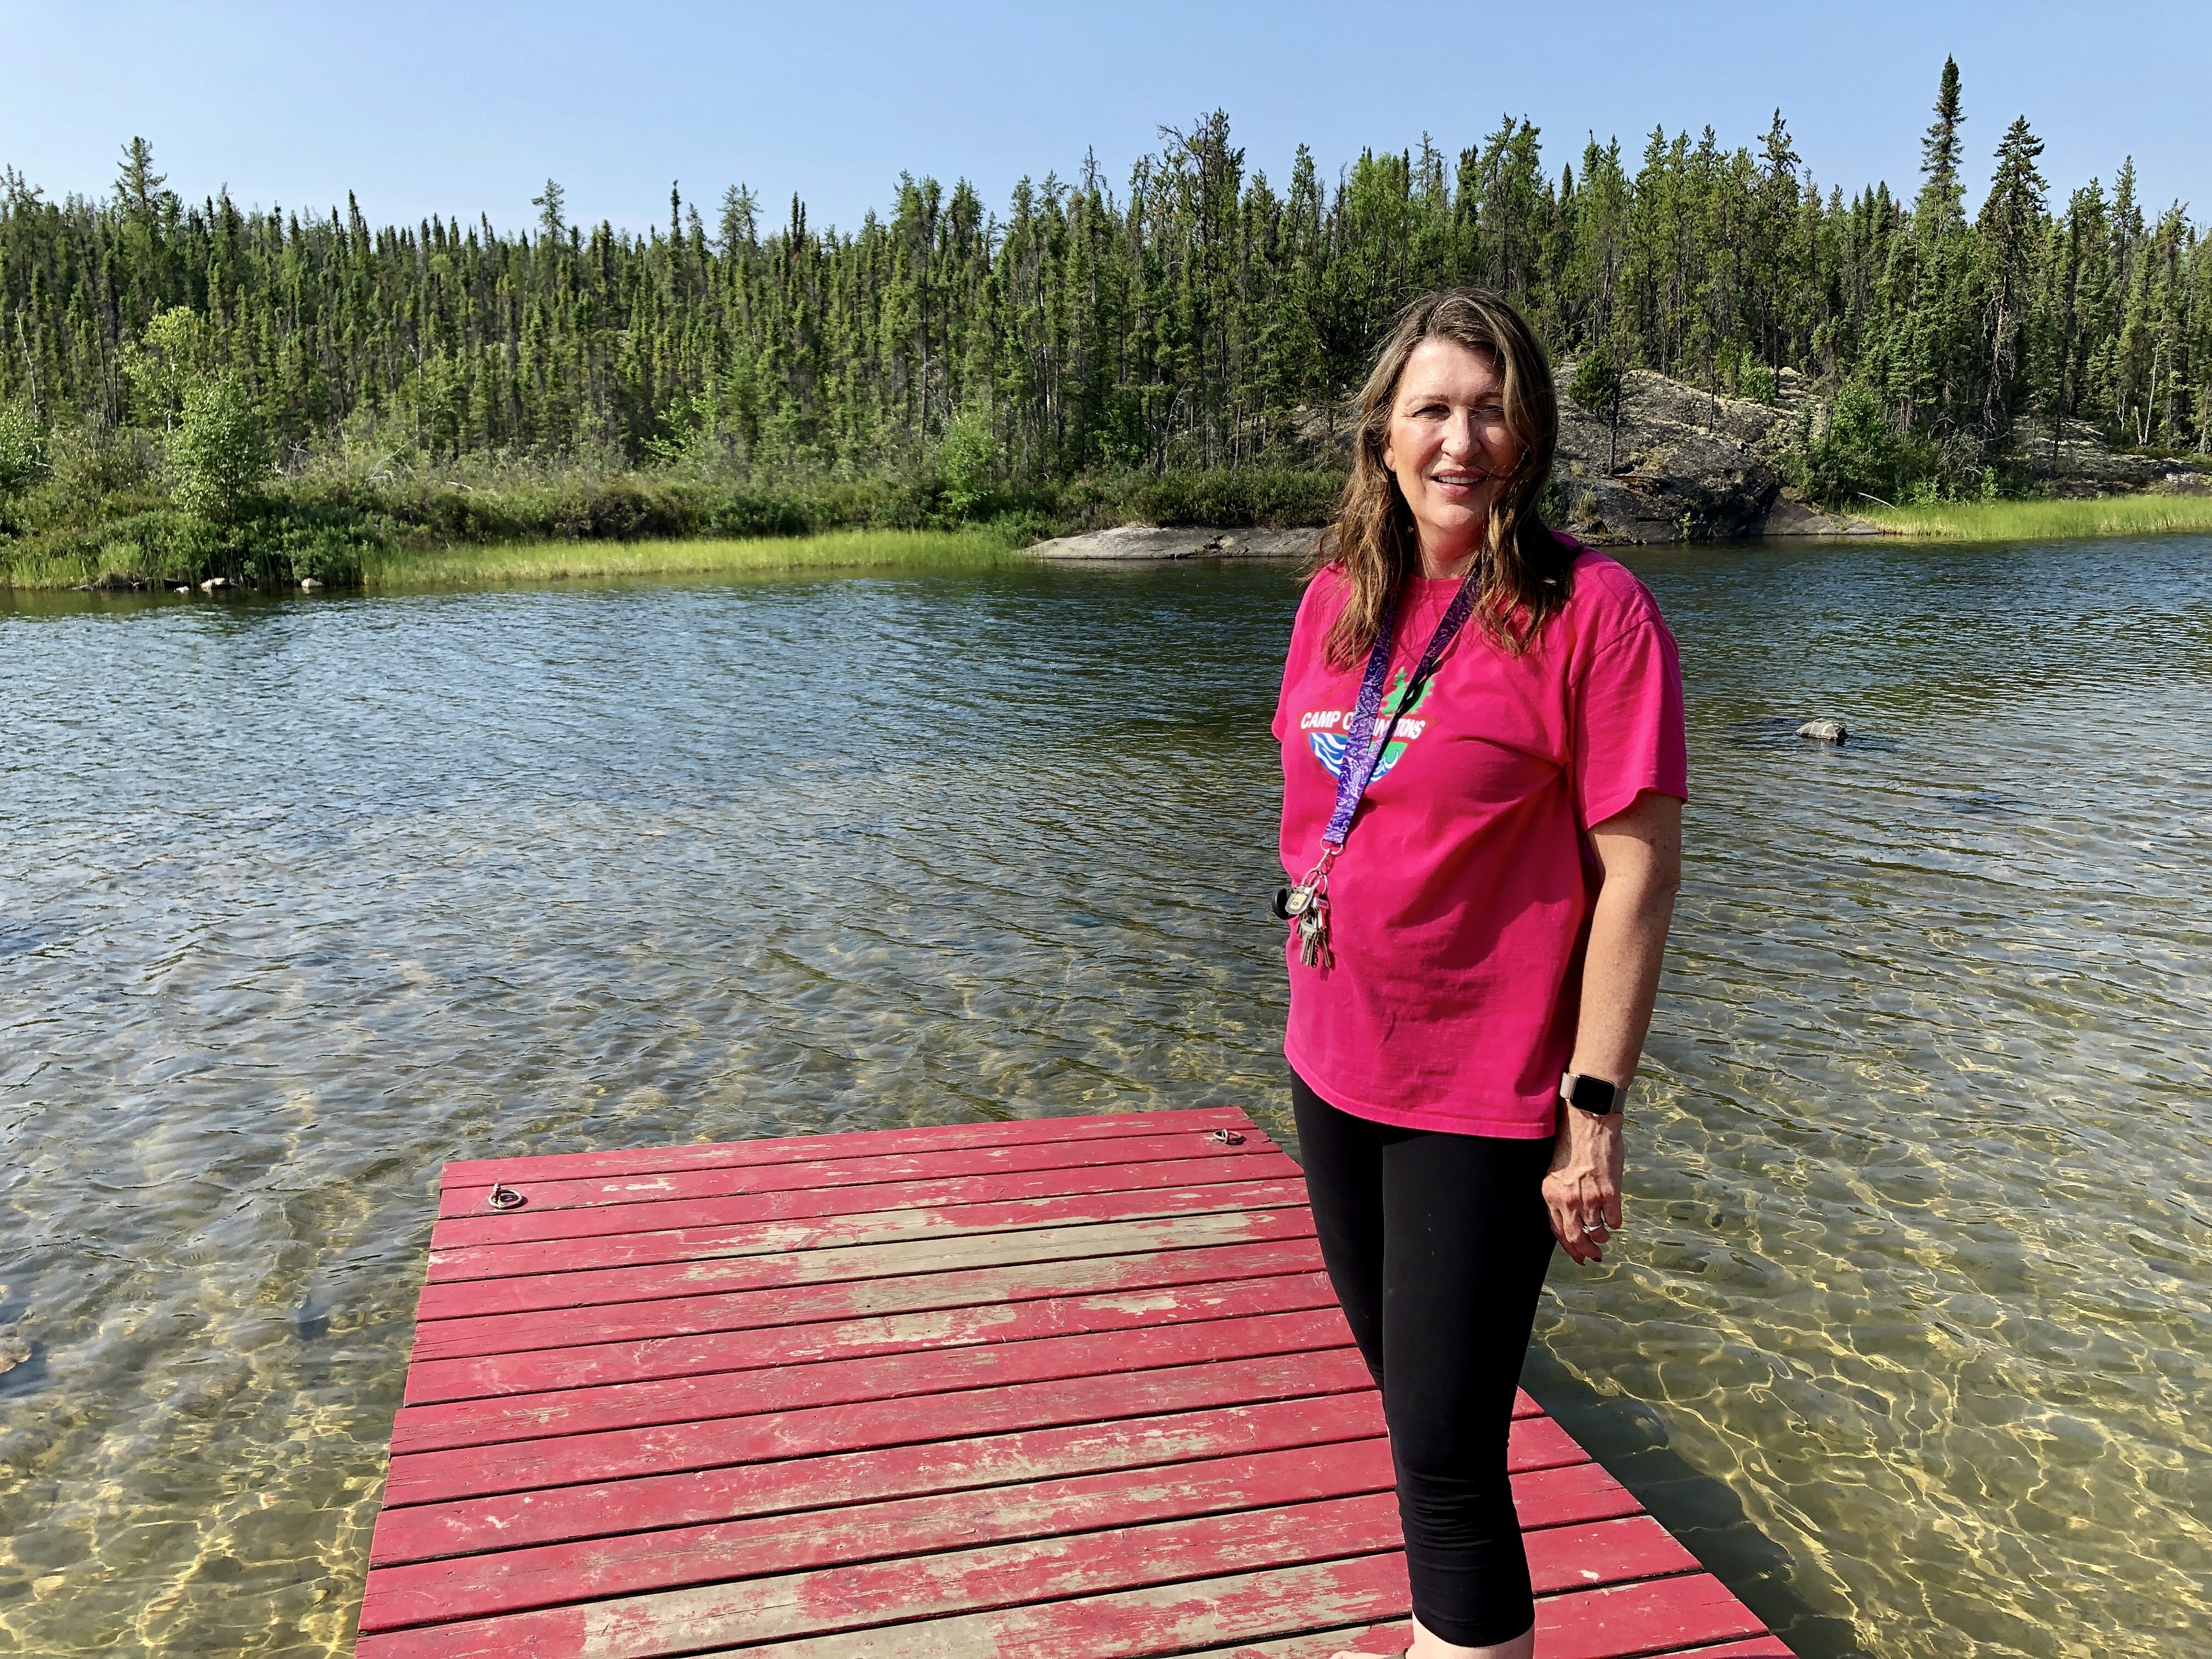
(1583, 1190)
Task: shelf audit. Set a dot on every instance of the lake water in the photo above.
(1910, 1333)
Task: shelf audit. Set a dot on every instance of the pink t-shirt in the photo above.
(1460, 904)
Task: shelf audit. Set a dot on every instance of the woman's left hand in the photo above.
(1582, 1191)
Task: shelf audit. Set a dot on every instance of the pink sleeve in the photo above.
(1304, 644)
(1628, 723)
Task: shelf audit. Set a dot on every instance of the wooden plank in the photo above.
(805, 1198)
(1570, 1491)
(1658, 1616)
(1194, 1617)
(1392, 1640)
(1165, 1619)
(518, 1480)
(1072, 1386)
(937, 1589)
(782, 1238)
(778, 1546)
(1176, 1478)
(596, 1364)
(479, 1173)
(580, 1460)
(871, 1382)
(1564, 1494)
(849, 1479)
(740, 1310)
(922, 1255)
(539, 1194)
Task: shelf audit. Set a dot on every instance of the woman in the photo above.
(1481, 818)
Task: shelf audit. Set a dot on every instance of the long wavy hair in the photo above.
(1373, 539)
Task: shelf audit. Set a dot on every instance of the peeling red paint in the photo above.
(1062, 1386)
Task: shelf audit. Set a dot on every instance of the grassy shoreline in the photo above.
(552, 562)
(505, 564)
(2051, 520)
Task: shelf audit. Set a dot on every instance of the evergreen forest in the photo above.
(201, 383)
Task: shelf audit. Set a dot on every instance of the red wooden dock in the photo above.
(1059, 1388)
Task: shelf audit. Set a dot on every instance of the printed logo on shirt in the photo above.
(1327, 730)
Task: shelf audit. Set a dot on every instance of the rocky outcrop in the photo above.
(2074, 460)
(1683, 466)
(1140, 542)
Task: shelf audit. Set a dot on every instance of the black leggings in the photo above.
(1436, 1246)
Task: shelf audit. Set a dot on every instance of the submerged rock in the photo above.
(1148, 543)
(1823, 731)
(14, 1349)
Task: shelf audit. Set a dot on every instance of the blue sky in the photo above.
(463, 108)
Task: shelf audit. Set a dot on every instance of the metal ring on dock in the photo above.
(504, 1197)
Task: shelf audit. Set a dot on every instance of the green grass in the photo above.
(38, 571)
(2005, 521)
(553, 562)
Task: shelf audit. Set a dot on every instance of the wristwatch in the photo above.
(1593, 1095)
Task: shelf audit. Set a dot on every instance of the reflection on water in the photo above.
(300, 900)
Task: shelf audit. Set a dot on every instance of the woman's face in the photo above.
(1450, 448)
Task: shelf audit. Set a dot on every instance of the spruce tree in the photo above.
(1193, 314)
(2010, 225)
(552, 207)
(1941, 150)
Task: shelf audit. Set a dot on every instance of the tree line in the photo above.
(1195, 315)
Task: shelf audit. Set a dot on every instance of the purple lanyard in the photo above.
(1362, 748)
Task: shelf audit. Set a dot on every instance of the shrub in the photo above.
(967, 458)
(94, 464)
(1597, 382)
(744, 516)
(220, 451)
(1857, 455)
(22, 449)
(1600, 380)
(1233, 498)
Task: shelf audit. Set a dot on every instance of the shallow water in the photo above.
(1911, 1333)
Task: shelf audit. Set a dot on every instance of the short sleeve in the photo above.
(1317, 609)
(1628, 735)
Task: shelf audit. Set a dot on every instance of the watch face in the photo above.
(1592, 1094)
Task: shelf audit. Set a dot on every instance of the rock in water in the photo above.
(14, 1350)
(1135, 542)
(308, 584)
(1823, 731)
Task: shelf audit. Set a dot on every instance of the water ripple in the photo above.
(299, 899)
